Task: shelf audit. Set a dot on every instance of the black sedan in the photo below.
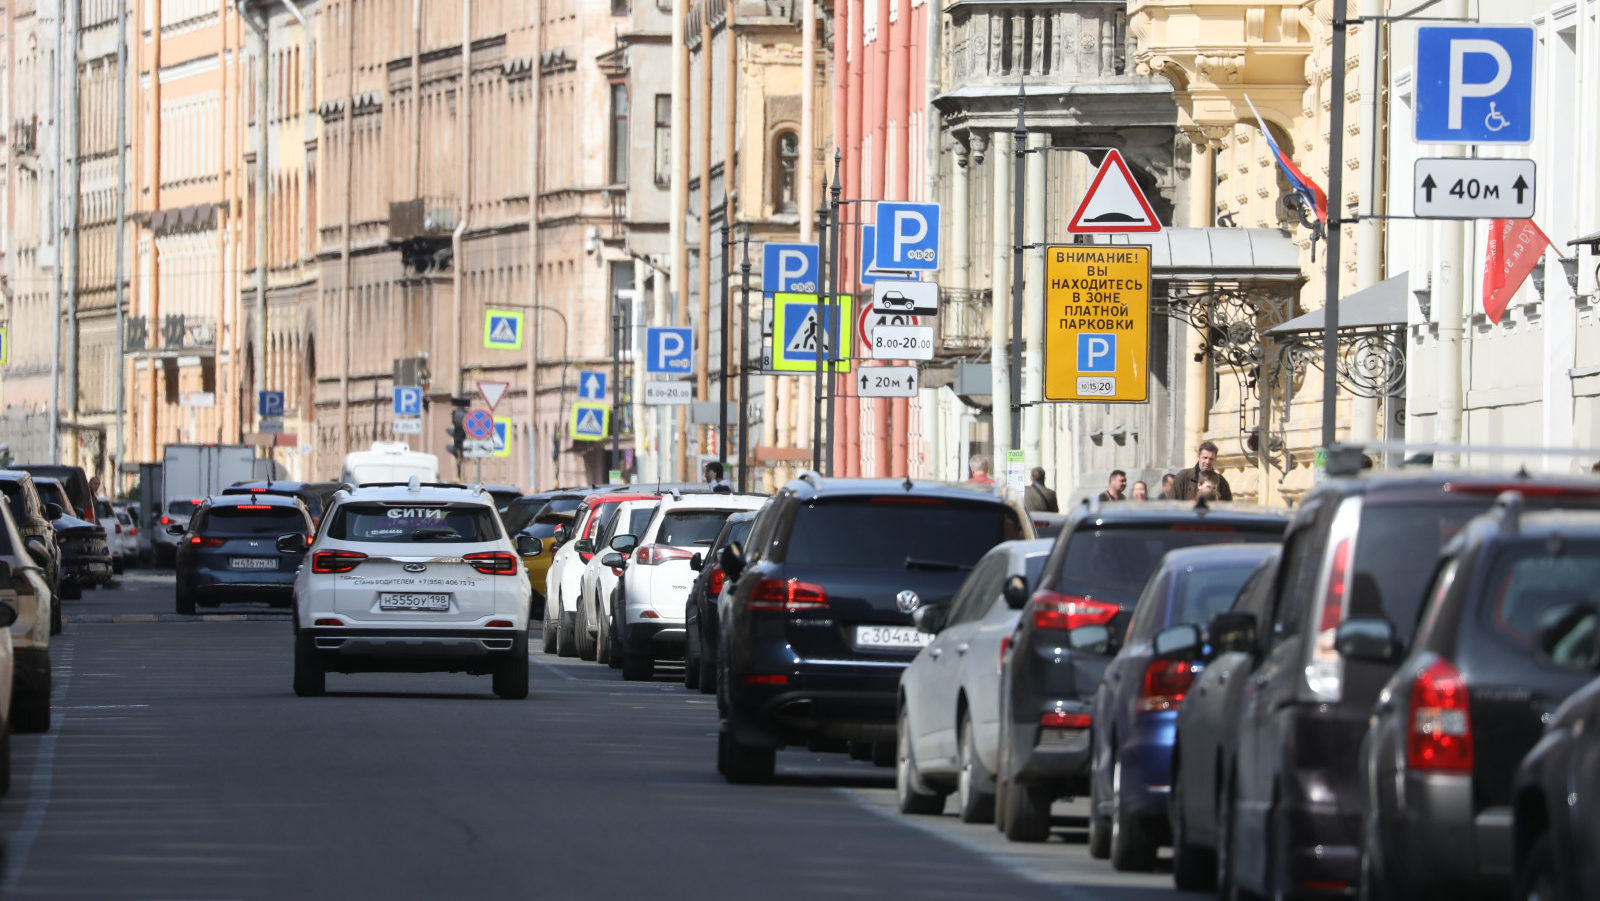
(85, 556)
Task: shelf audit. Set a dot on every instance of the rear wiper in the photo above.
(941, 565)
(428, 534)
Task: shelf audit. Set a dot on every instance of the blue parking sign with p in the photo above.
(269, 403)
(907, 236)
(669, 350)
(790, 268)
(1474, 84)
(407, 400)
(1097, 352)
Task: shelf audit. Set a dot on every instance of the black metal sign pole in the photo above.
(744, 366)
(1019, 143)
(819, 336)
(834, 310)
(1330, 326)
(723, 323)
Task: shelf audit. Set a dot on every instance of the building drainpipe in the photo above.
(534, 249)
(263, 105)
(464, 105)
(1369, 235)
(122, 245)
(55, 239)
(70, 235)
(703, 313)
(678, 195)
(1000, 295)
(349, 213)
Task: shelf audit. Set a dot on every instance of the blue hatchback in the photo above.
(1136, 707)
(229, 551)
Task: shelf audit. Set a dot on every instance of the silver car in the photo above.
(949, 733)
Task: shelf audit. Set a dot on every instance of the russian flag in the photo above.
(1304, 186)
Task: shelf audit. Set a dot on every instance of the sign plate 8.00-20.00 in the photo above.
(1097, 323)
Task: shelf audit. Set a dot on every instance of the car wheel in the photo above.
(1194, 868)
(604, 650)
(1131, 845)
(912, 800)
(742, 764)
(185, 603)
(637, 666)
(310, 680)
(691, 663)
(973, 803)
(566, 636)
(586, 644)
(547, 635)
(1027, 812)
(511, 677)
(1099, 824)
(1536, 877)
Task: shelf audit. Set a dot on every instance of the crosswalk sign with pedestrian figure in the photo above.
(802, 328)
(590, 421)
(502, 330)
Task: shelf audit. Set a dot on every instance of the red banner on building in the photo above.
(1515, 247)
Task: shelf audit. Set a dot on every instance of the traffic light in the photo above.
(458, 424)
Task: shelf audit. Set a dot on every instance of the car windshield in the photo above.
(253, 520)
(51, 493)
(1548, 598)
(1112, 563)
(688, 528)
(436, 523)
(521, 516)
(1395, 549)
(906, 531)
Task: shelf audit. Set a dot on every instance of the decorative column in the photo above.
(957, 278)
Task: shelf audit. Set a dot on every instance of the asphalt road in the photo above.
(181, 766)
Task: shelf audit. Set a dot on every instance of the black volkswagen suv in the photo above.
(817, 627)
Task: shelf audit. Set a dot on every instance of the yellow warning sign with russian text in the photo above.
(1097, 323)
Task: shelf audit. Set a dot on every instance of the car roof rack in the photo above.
(1508, 509)
(812, 476)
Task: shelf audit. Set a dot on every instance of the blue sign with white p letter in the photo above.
(790, 269)
(907, 236)
(1097, 352)
(1474, 84)
(669, 350)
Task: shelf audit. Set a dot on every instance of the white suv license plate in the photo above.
(396, 601)
(253, 562)
(906, 637)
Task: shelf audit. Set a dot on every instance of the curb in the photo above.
(98, 618)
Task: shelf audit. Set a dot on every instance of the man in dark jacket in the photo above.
(1038, 499)
(1185, 485)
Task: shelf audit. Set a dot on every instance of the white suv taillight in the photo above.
(1325, 669)
(656, 554)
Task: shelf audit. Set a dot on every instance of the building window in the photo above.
(619, 134)
(619, 7)
(788, 159)
(663, 139)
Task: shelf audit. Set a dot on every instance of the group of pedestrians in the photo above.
(1201, 480)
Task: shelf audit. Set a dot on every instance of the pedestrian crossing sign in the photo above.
(5, 347)
(502, 330)
(590, 421)
(796, 332)
(501, 436)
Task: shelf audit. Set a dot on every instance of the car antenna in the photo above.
(907, 485)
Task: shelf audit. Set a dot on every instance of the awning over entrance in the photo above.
(1379, 306)
(1217, 254)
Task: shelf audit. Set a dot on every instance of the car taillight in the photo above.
(787, 594)
(1441, 724)
(166, 520)
(1060, 719)
(1052, 610)
(1165, 684)
(586, 556)
(494, 563)
(336, 561)
(656, 554)
(206, 541)
(134, 531)
(718, 579)
(1325, 672)
(254, 507)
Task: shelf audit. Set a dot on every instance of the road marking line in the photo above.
(39, 788)
(566, 676)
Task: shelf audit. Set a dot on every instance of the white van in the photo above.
(389, 461)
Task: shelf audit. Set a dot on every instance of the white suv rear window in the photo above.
(415, 522)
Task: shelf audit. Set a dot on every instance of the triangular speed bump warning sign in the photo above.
(1114, 203)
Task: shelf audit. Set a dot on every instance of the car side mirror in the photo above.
(293, 543)
(613, 560)
(584, 546)
(39, 550)
(733, 561)
(562, 534)
(8, 616)
(1231, 632)
(928, 619)
(697, 562)
(53, 512)
(1016, 592)
(177, 529)
(528, 546)
(1180, 642)
(1369, 638)
(624, 543)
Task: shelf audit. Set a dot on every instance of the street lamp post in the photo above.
(566, 362)
(744, 366)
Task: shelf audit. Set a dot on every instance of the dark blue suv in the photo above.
(229, 552)
(817, 627)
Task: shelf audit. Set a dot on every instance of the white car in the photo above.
(411, 579)
(599, 577)
(650, 598)
(561, 632)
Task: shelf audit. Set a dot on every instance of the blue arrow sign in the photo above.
(907, 236)
(591, 385)
(790, 268)
(407, 400)
(1474, 84)
(269, 403)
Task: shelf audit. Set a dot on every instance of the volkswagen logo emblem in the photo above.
(415, 567)
(907, 601)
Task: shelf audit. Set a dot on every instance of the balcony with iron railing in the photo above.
(963, 321)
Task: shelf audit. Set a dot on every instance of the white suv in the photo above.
(650, 598)
(411, 578)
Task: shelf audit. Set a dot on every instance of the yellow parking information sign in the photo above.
(1097, 323)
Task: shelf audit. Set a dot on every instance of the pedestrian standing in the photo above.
(979, 467)
(1114, 486)
(715, 479)
(1166, 487)
(1184, 487)
(1141, 491)
(1038, 498)
(1209, 486)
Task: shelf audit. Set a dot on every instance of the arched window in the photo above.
(787, 153)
